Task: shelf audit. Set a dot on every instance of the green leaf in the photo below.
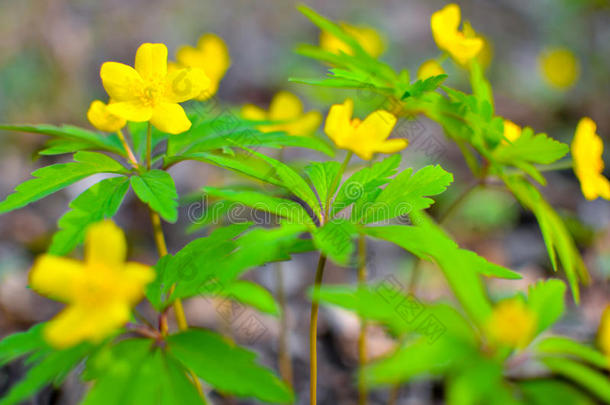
(53, 178)
(586, 377)
(336, 240)
(157, 189)
(192, 266)
(248, 165)
(229, 130)
(47, 365)
(546, 299)
(247, 293)
(364, 182)
(563, 346)
(281, 207)
(236, 370)
(531, 148)
(322, 175)
(552, 392)
(330, 27)
(481, 87)
(94, 140)
(461, 267)
(21, 343)
(96, 203)
(134, 371)
(422, 86)
(556, 236)
(292, 181)
(408, 192)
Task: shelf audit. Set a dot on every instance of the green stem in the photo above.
(313, 323)
(313, 333)
(362, 358)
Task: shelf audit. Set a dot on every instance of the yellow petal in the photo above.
(122, 82)
(253, 112)
(392, 145)
(102, 119)
(151, 61)
(215, 55)
(428, 69)
(464, 49)
(377, 126)
(78, 323)
(133, 110)
(185, 84)
(587, 149)
(105, 244)
(134, 278)
(306, 124)
(444, 24)
(512, 323)
(170, 118)
(338, 122)
(512, 131)
(285, 106)
(368, 38)
(55, 277)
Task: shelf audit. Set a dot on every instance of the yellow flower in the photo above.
(428, 69)
(100, 291)
(287, 108)
(587, 149)
(512, 131)
(512, 324)
(102, 119)
(559, 67)
(485, 55)
(149, 92)
(211, 55)
(444, 24)
(364, 138)
(368, 38)
(603, 335)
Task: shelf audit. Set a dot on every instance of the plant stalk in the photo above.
(130, 155)
(315, 306)
(285, 361)
(362, 356)
(313, 333)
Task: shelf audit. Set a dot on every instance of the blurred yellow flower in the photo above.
(211, 55)
(102, 119)
(603, 335)
(512, 131)
(100, 291)
(445, 24)
(288, 109)
(149, 92)
(587, 148)
(428, 69)
(485, 56)
(512, 323)
(368, 38)
(559, 67)
(364, 138)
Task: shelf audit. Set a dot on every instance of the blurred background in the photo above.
(50, 55)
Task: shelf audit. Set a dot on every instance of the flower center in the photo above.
(151, 94)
